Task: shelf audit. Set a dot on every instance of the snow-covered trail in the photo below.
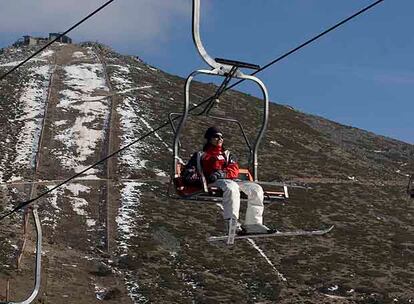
(128, 214)
(134, 118)
(18, 157)
(80, 132)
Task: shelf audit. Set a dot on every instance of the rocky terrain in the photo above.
(113, 235)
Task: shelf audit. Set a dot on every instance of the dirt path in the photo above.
(111, 145)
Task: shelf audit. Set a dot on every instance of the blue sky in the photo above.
(360, 75)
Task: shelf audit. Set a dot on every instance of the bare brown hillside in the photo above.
(112, 235)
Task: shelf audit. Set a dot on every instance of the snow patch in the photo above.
(132, 120)
(161, 173)
(399, 172)
(15, 63)
(78, 55)
(33, 100)
(275, 143)
(133, 89)
(128, 212)
(15, 178)
(143, 163)
(77, 188)
(100, 292)
(86, 77)
(121, 81)
(78, 205)
(121, 68)
(60, 123)
(80, 138)
(128, 117)
(134, 289)
(156, 134)
(47, 53)
(333, 288)
(88, 177)
(90, 222)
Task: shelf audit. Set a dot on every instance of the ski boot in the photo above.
(257, 229)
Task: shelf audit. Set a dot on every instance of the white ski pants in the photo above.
(231, 199)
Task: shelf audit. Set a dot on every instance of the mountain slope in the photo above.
(114, 234)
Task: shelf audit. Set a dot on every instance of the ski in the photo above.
(275, 234)
(232, 231)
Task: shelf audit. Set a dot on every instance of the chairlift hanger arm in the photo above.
(197, 39)
(223, 65)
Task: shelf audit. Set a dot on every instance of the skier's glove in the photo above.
(219, 174)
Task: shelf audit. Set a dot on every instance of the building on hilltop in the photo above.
(63, 39)
(30, 40)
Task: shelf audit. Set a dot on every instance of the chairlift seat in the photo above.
(269, 189)
(238, 64)
(196, 192)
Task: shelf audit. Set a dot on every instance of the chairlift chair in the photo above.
(228, 69)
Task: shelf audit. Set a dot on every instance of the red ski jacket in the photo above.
(214, 159)
(210, 160)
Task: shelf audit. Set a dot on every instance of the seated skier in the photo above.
(218, 167)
